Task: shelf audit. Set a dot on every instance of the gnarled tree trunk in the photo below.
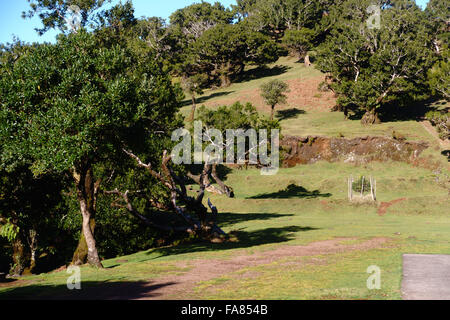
(86, 192)
(225, 80)
(80, 256)
(201, 224)
(370, 117)
(20, 257)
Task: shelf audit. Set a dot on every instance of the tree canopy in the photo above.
(56, 14)
(273, 93)
(80, 103)
(375, 67)
(224, 50)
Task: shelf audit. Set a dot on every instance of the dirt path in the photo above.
(181, 286)
(445, 144)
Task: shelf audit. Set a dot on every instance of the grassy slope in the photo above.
(263, 220)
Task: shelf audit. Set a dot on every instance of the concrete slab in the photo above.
(426, 277)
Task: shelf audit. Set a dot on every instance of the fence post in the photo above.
(362, 186)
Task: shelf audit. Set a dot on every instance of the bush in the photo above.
(357, 185)
(441, 121)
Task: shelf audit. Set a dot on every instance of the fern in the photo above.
(9, 231)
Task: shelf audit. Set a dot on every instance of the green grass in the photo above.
(332, 124)
(265, 215)
(418, 225)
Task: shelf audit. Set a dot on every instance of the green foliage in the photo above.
(441, 120)
(274, 17)
(186, 26)
(155, 34)
(438, 12)
(76, 104)
(53, 13)
(223, 51)
(120, 17)
(359, 184)
(197, 18)
(80, 100)
(33, 208)
(236, 116)
(373, 67)
(299, 42)
(439, 76)
(194, 85)
(242, 8)
(9, 230)
(273, 93)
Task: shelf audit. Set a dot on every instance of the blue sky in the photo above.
(11, 22)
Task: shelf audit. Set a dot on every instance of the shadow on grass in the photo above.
(222, 171)
(289, 114)
(446, 153)
(203, 99)
(292, 191)
(262, 72)
(244, 239)
(393, 112)
(90, 290)
(4, 280)
(229, 219)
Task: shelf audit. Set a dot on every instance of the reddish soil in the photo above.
(308, 150)
(325, 205)
(382, 210)
(303, 95)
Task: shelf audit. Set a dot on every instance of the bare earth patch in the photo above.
(382, 210)
(304, 95)
(181, 286)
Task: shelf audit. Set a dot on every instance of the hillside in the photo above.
(294, 235)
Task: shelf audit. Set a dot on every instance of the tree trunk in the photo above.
(241, 69)
(80, 256)
(20, 258)
(192, 117)
(272, 114)
(31, 255)
(86, 197)
(346, 112)
(370, 117)
(225, 80)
